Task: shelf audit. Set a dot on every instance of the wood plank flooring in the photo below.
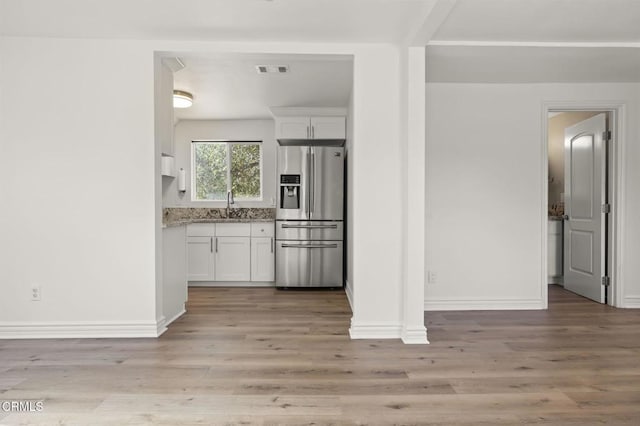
(262, 356)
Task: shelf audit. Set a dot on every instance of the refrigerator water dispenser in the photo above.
(289, 191)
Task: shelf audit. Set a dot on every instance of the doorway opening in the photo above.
(580, 189)
(219, 188)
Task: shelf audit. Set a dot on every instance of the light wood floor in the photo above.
(261, 356)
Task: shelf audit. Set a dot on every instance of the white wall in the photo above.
(174, 272)
(78, 216)
(377, 201)
(85, 189)
(349, 203)
(485, 191)
(187, 131)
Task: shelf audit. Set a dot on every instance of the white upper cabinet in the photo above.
(293, 128)
(307, 127)
(328, 128)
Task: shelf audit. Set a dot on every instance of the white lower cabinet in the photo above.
(231, 252)
(263, 259)
(200, 259)
(233, 258)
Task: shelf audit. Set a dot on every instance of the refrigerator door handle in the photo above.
(309, 246)
(334, 226)
(312, 186)
(308, 186)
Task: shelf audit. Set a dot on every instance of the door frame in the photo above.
(616, 187)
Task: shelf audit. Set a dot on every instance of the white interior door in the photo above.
(585, 194)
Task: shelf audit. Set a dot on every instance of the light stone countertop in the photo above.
(184, 216)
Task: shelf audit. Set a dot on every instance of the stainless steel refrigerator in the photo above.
(309, 216)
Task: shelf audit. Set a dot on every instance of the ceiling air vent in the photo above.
(272, 69)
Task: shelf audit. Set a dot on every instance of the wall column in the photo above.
(413, 329)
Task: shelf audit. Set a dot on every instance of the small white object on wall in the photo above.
(182, 180)
(167, 166)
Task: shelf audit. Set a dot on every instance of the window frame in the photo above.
(229, 143)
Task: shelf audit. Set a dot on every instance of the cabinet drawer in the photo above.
(233, 230)
(201, 230)
(262, 229)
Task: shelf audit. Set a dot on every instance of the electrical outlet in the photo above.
(432, 277)
(36, 293)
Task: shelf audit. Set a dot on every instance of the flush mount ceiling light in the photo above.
(182, 99)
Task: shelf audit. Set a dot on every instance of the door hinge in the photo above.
(606, 281)
(606, 208)
(606, 135)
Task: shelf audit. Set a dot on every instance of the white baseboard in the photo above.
(631, 302)
(375, 331)
(231, 284)
(555, 280)
(349, 291)
(483, 304)
(81, 330)
(415, 336)
(176, 316)
(161, 326)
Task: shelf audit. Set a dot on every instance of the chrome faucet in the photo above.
(229, 201)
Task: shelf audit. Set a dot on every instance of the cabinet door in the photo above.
(263, 259)
(293, 128)
(200, 259)
(233, 258)
(328, 128)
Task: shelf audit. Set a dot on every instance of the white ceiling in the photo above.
(227, 86)
(542, 21)
(277, 20)
(518, 64)
(326, 20)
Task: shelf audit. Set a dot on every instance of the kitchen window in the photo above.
(220, 166)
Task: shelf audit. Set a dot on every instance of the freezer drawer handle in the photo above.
(334, 226)
(312, 193)
(309, 246)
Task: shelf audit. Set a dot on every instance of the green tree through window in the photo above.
(220, 166)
